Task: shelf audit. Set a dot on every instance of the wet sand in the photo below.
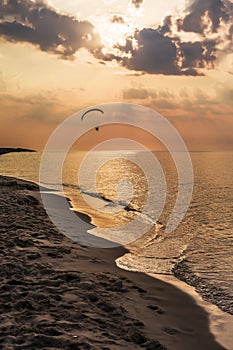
(56, 294)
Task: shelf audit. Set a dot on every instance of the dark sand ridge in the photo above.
(58, 295)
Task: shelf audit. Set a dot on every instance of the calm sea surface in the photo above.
(204, 239)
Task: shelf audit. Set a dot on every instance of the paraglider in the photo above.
(93, 110)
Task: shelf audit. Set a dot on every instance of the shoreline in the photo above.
(210, 293)
(169, 315)
(182, 273)
(221, 323)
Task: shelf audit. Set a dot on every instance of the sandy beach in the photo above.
(56, 294)
(116, 186)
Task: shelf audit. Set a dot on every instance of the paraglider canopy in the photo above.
(92, 110)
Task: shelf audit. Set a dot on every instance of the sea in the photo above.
(112, 188)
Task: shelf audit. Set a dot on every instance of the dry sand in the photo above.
(56, 294)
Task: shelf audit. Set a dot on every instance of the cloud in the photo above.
(117, 19)
(161, 50)
(2, 83)
(161, 100)
(231, 33)
(167, 25)
(196, 103)
(164, 50)
(197, 54)
(193, 21)
(157, 53)
(41, 25)
(225, 95)
(137, 94)
(137, 3)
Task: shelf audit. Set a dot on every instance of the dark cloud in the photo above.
(193, 21)
(117, 19)
(228, 8)
(160, 54)
(155, 54)
(41, 25)
(231, 33)
(197, 54)
(137, 3)
(159, 51)
(167, 24)
(147, 51)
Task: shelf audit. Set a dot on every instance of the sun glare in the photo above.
(111, 32)
(114, 28)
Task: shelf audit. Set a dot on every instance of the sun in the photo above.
(114, 28)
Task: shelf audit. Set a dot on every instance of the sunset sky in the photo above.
(174, 56)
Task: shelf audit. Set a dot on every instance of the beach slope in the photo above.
(55, 294)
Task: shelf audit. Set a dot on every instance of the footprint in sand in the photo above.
(156, 308)
(171, 331)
